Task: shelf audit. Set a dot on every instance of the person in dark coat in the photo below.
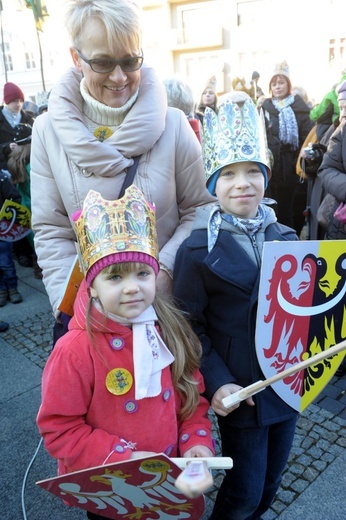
(8, 275)
(332, 172)
(216, 280)
(320, 171)
(332, 176)
(11, 114)
(288, 120)
(12, 122)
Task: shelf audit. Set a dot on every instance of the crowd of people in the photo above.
(167, 219)
(16, 122)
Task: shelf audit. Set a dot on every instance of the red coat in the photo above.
(82, 423)
(194, 123)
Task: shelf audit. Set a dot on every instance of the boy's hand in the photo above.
(225, 391)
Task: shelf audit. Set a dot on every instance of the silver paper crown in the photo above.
(281, 68)
(235, 134)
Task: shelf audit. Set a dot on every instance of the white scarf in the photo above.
(150, 353)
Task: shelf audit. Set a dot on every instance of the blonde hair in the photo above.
(121, 19)
(17, 162)
(179, 337)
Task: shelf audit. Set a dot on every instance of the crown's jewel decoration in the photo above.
(233, 135)
(105, 227)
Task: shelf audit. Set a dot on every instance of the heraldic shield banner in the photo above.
(301, 312)
(137, 488)
(15, 221)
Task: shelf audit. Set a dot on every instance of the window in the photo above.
(8, 56)
(337, 50)
(194, 23)
(30, 60)
(249, 13)
(197, 67)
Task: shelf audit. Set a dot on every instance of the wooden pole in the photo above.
(253, 389)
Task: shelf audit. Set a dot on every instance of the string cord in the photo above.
(25, 478)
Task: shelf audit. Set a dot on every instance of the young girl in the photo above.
(216, 279)
(124, 381)
(208, 98)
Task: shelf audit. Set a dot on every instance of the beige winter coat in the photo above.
(67, 161)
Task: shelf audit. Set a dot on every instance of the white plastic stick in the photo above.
(211, 462)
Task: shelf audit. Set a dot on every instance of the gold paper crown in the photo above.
(106, 227)
(235, 134)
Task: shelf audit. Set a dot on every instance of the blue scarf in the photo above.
(249, 226)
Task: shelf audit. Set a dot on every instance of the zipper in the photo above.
(256, 250)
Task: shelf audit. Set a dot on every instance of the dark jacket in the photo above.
(8, 135)
(332, 175)
(284, 157)
(219, 290)
(7, 190)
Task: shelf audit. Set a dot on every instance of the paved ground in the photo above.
(313, 486)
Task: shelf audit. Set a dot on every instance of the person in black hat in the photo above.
(256, 90)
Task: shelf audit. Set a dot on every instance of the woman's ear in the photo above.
(76, 59)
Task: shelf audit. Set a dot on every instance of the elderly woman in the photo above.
(104, 114)
(180, 95)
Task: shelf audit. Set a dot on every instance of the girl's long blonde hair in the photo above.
(180, 339)
(185, 347)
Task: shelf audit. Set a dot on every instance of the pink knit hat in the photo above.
(12, 92)
(118, 258)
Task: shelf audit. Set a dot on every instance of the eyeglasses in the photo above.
(105, 65)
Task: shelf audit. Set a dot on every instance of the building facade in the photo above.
(195, 40)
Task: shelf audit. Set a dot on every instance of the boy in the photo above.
(216, 279)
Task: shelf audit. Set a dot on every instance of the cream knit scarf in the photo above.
(150, 353)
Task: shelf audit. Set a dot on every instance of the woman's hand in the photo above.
(198, 451)
(225, 391)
